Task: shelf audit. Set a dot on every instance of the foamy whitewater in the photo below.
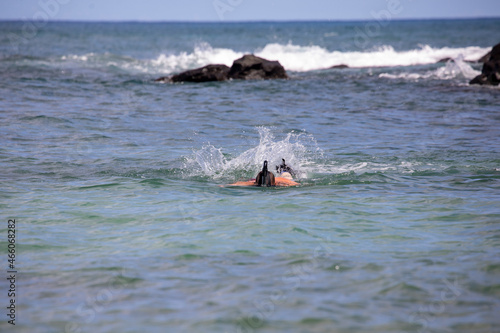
(118, 184)
(293, 57)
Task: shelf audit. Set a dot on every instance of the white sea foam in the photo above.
(292, 57)
(202, 55)
(368, 167)
(306, 58)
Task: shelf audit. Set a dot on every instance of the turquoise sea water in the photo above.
(115, 180)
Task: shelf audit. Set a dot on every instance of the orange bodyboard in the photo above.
(280, 181)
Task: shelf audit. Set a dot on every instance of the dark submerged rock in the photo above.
(204, 74)
(339, 67)
(251, 67)
(163, 79)
(444, 60)
(490, 74)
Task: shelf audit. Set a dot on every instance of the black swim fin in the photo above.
(263, 175)
(265, 178)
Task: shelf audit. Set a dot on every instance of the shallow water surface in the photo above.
(115, 180)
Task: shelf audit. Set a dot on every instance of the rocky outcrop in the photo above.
(490, 75)
(248, 67)
(251, 67)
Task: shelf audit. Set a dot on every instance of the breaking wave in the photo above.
(293, 57)
(306, 58)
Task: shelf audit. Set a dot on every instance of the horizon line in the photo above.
(251, 20)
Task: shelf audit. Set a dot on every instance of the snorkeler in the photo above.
(267, 178)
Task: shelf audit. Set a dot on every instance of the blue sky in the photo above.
(243, 10)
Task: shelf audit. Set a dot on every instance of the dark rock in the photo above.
(203, 74)
(163, 79)
(480, 79)
(250, 67)
(485, 58)
(339, 66)
(490, 74)
(444, 60)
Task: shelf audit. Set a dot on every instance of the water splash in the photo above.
(300, 150)
(456, 68)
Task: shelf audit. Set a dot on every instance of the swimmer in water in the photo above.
(267, 178)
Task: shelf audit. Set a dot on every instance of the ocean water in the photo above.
(116, 182)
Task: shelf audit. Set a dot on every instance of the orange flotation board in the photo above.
(280, 181)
